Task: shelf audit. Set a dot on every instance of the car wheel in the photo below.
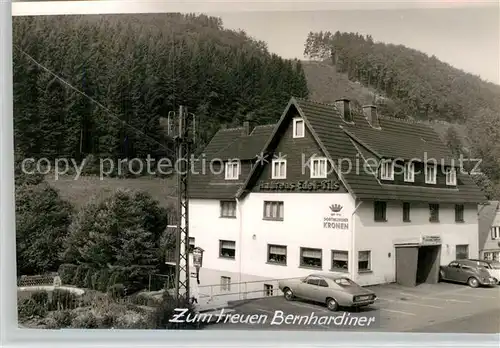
(288, 294)
(473, 282)
(331, 304)
(441, 276)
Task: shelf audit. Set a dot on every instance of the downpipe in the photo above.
(353, 242)
(240, 218)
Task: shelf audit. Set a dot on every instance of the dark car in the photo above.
(468, 272)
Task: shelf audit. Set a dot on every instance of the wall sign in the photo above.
(300, 186)
(430, 240)
(336, 220)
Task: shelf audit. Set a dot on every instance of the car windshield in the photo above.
(344, 282)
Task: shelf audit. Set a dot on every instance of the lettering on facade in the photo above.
(300, 186)
(336, 219)
(430, 240)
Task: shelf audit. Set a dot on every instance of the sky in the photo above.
(463, 33)
(466, 38)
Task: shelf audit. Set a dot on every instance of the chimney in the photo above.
(344, 107)
(370, 112)
(246, 128)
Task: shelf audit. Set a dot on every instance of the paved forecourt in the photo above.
(397, 309)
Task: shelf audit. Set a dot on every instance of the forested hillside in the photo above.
(134, 70)
(406, 83)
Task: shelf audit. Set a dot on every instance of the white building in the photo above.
(401, 210)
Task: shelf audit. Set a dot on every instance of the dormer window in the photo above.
(451, 177)
(387, 170)
(318, 168)
(430, 173)
(298, 128)
(279, 169)
(232, 170)
(409, 172)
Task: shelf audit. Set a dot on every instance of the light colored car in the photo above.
(468, 272)
(334, 290)
(493, 267)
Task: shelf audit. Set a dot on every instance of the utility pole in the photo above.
(183, 141)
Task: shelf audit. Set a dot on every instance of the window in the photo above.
(228, 209)
(380, 210)
(364, 262)
(318, 168)
(232, 170)
(273, 210)
(191, 244)
(279, 169)
(311, 258)
(459, 213)
(491, 255)
(268, 290)
(462, 252)
(322, 283)
(434, 212)
(387, 170)
(276, 254)
(430, 173)
(227, 249)
(225, 283)
(406, 212)
(298, 128)
(451, 177)
(495, 232)
(409, 172)
(340, 260)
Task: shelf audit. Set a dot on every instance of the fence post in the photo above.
(149, 283)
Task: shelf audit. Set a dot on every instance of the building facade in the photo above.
(489, 231)
(330, 188)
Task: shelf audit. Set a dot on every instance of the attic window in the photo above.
(298, 128)
(451, 177)
(279, 169)
(232, 170)
(387, 170)
(430, 173)
(318, 168)
(409, 171)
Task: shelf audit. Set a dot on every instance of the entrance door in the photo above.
(406, 265)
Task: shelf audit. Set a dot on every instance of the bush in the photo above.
(63, 319)
(80, 274)
(116, 291)
(63, 300)
(102, 283)
(85, 320)
(67, 273)
(87, 280)
(95, 280)
(41, 298)
(29, 308)
(165, 311)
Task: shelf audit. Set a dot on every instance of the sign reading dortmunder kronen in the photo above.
(301, 185)
(336, 219)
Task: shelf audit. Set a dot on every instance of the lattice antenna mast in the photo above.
(181, 128)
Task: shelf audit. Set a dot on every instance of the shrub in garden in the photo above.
(87, 280)
(165, 311)
(80, 274)
(85, 320)
(41, 298)
(67, 273)
(62, 319)
(116, 291)
(102, 283)
(29, 308)
(62, 300)
(94, 280)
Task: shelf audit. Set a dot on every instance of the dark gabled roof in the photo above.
(486, 217)
(335, 137)
(226, 144)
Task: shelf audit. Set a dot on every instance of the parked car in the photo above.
(468, 272)
(329, 288)
(493, 267)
